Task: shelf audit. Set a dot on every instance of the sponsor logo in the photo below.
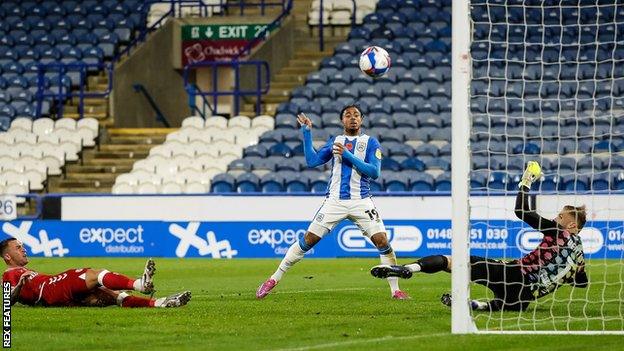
(42, 244)
(402, 238)
(349, 146)
(105, 236)
(528, 239)
(592, 240)
(115, 240)
(211, 246)
(378, 154)
(274, 237)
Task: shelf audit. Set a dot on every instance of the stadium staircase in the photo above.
(307, 58)
(119, 148)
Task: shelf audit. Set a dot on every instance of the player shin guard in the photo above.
(295, 254)
(429, 264)
(115, 281)
(387, 256)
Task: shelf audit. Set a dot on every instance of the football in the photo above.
(374, 61)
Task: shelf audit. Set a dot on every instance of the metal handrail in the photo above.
(63, 93)
(236, 92)
(193, 88)
(160, 117)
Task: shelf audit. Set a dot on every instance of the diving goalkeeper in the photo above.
(556, 261)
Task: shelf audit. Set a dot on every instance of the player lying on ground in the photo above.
(556, 261)
(79, 287)
(356, 159)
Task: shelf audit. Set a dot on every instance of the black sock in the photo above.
(433, 264)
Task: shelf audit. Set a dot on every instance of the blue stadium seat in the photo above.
(280, 149)
(257, 150)
(478, 179)
(247, 183)
(5, 123)
(574, 182)
(390, 164)
(549, 182)
(498, 181)
(421, 182)
(271, 183)
(443, 182)
(601, 180)
(395, 181)
(223, 183)
(426, 150)
(243, 165)
(413, 163)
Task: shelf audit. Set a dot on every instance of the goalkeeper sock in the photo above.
(293, 255)
(429, 264)
(387, 256)
(115, 281)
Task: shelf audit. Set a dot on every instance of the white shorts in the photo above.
(362, 212)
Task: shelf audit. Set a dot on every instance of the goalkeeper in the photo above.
(556, 261)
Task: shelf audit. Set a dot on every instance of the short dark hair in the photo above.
(4, 244)
(349, 106)
(579, 213)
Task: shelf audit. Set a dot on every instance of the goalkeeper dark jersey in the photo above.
(557, 260)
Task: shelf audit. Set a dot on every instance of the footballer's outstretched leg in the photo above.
(295, 254)
(384, 271)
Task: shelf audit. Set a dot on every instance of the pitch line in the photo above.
(363, 341)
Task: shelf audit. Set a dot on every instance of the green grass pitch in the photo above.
(321, 304)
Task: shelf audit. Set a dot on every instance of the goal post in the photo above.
(460, 158)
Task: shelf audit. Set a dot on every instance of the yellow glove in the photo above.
(532, 172)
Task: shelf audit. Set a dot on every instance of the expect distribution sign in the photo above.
(217, 42)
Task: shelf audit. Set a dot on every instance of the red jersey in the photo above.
(31, 291)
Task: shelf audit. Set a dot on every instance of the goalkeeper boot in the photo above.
(446, 299)
(175, 300)
(532, 172)
(147, 283)
(265, 288)
(385, 271)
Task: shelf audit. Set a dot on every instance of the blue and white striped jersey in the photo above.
(346, 182)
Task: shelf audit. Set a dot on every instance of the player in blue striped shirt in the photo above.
(356, 159)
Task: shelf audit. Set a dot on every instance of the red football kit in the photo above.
(63, 289)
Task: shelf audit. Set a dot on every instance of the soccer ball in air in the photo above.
(374, 61)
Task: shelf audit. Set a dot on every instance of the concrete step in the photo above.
(59, 183)
(73, 109)
(101, 177)
(311, 54)
(94, 154)
(82, 190)
(289, 85)
(104, 162)
(141, 131)
(81, 169)
(102, 116)
(290, 77)
(135, 140)
(296, 70)
(125, 147)
(305, 62)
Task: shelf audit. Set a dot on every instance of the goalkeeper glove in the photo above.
(532, 172)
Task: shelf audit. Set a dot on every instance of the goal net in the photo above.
(541, 80)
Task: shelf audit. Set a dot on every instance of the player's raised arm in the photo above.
(523, 210)
(313, 158)
(371, 166)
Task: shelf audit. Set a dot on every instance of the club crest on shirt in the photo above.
(349, 146)
(378, 154)
(361, 147)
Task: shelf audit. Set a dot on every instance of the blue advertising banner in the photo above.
(409, 238)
